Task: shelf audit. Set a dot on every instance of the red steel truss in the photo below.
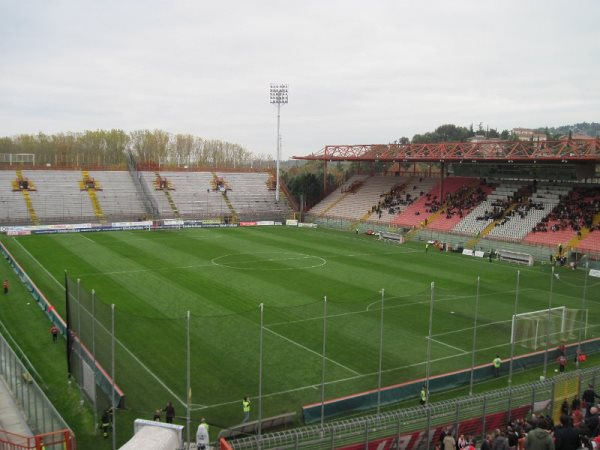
(575, 150)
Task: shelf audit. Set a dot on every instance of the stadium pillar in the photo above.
(113, 416)
(512, 346)
(583, 304)
(323, 362)
(380, 352)
(474, 339)
(95, 400)
(68, 330)
(324, 178)
(442, 166)
(429, 337)
(512, 334)
(548, 323)
(260, 370)
(188, 376)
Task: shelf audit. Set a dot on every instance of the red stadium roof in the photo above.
(574, 150)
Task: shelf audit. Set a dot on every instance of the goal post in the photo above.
(559, 324)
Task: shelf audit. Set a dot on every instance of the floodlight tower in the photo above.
(279, 96)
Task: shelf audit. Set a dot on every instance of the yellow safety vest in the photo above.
(246, 406)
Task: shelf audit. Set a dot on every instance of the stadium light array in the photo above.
(279, 96)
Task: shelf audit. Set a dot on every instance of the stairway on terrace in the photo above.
(324, 207)
(450, 215)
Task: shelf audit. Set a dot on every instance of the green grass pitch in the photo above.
(221, 276)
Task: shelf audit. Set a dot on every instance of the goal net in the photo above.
(555, 325)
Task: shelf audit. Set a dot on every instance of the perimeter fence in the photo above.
(420, 428)
(49, 428)
(143, 354)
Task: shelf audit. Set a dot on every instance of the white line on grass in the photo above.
(403, 305)
(341, 380)
(160, 269)
(311, 351)
(39, 263)
(85, 237)
(108, 331)
(448, 345)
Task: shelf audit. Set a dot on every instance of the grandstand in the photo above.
(70, 196)
(466, 210)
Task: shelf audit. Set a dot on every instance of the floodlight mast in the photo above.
(279, 96)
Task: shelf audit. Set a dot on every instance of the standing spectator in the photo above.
(170, 412)
(513, 438)
(443, 434)
(449, 443)
(5, 286)
(566, 437)
(538, 438)
(461, 442)
(246, 409)
(423, 400)
(593, 422)
(487, 443)
(202, 437)
(588, 397)
(156, 416)
(501, 441)
(562, 363)
(496, 363)
(54, 332)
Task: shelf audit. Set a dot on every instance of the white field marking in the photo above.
(86, 238)
(108, 331)
(587, 300)
(159, 269)
(293, 257)
(311, 351)
(470, 328)
(403, 305)
(341, 380)
(39, 263)
(448, 345)
(563, 281)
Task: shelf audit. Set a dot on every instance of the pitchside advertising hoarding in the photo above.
(424, 439)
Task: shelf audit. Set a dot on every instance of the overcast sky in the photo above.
(359, 72)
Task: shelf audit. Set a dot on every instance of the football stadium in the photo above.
(441, 286)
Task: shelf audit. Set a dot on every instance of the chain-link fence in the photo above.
(43, 419)
(419, 428)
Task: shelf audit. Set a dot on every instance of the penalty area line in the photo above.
(311, 351)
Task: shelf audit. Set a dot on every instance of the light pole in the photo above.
(279, 96)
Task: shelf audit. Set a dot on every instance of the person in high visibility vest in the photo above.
(202, 436)
(496, 363)
(423, 399)
(5, 286)
(246, 409)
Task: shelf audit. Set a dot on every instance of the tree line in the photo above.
(110, 148)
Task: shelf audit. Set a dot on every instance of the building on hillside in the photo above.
(577, 136)
(482, 138)
(527, 134)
